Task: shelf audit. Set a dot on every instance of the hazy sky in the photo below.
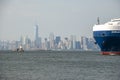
(62, 17)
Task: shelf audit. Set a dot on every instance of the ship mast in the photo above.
(98, 21)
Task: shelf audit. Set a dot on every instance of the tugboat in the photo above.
(20, 49)
(107, 36)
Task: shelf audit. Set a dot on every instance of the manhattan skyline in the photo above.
(61, 17)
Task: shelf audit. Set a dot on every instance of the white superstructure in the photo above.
(114, 24)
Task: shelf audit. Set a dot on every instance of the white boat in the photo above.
(20, 49)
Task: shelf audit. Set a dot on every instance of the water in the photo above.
(55, 65)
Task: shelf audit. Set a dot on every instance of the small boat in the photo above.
(20, 49)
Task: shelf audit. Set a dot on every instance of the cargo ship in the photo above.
(107, 36)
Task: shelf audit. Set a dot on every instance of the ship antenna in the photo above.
(98, 21)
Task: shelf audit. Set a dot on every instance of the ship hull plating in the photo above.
(108, 41)
(111, 53)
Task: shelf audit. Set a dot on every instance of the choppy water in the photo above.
(50, 65)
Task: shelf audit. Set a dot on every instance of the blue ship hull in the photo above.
(108, 41)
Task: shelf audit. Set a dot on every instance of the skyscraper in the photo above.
(36, 34)
(51, 38)
(57, 40)
(73, 40)
(37, 38)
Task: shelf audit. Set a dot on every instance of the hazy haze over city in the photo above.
(62, 17)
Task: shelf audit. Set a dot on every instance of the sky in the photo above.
(61, 17)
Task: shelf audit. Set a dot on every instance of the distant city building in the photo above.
(72, 43)
(46, 44)
(84, 43)
(51, 40)
(67, 43)
(37, 38)
(22, 40)
(91, 45)
(57, 41)
(27, 43)
(78, 45)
